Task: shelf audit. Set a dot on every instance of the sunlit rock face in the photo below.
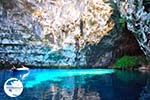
(61, 22)
(137, 16)
(54, 32)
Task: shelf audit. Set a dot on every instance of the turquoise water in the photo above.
(85, 84)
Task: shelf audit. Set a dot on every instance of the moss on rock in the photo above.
(127, 62)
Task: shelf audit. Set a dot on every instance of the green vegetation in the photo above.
(3, 1)
(127, 62)
(122, 22)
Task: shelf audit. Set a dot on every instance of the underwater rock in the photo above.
(145, 94)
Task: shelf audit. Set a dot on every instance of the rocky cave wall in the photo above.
(60, 33)
(43, 32)
(137, 15)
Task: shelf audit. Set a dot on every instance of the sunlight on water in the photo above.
(79, 84)
(37, 76)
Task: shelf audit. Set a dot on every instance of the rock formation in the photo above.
(137, 16)
(43, 32)
(68, 32)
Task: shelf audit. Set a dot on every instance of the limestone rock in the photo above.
(58, 32)
(137, 15)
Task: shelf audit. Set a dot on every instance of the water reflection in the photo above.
(95, 84)
(38, 76)
(145, 94)
(21, 74)
(63, 91)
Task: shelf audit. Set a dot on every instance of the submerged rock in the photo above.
(145, 94)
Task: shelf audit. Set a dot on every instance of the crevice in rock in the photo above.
(128, 45)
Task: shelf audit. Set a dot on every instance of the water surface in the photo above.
(85, 84)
